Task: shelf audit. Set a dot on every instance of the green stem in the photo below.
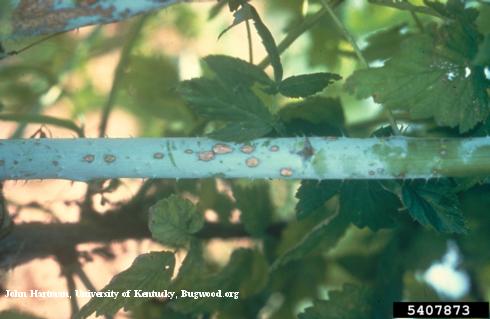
(296, 32)
(118, 73)
(287, 158)
(360, 56)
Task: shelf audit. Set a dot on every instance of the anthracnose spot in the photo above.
(109, 158)
(89, 158)
(252, 161)
(158, 155)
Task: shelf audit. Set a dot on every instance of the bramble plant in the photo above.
(358, 209)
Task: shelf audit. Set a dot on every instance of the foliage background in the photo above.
(71, 76)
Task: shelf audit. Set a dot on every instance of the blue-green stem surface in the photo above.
(288, 158)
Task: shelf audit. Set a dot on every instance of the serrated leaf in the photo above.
(234, 72)
(435, 205)
(212, 100)
(431, 76)
(149, 272)
(313, 194)
(174, 220)
(352, 302)
(373, 206)
(269, 43)
(306, 84)
(253, 200)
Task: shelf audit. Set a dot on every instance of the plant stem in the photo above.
(250, 47)
(360, 56)
(296, 32)
(287, 158)
(34, 18)
(118, 73)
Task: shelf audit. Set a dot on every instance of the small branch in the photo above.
(37, 240)
(33, 18)
(250, 47)
(43, 119)
(360, 56)
(118, 73)
(296, 32)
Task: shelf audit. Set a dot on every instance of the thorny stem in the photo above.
(286, 158)
(360, 56)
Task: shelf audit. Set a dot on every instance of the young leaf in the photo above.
(268, 41)
(312, 195)
(149, 272)
(373, 206)
(234, 72)
(431, 76)
(352, 302)
(434, 205)
(247, 116)
(174, 220)
(306, 84)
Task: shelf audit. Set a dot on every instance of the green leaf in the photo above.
(431, 76)
(234, 72)
(383, 44)
(149, 272)
(268, 41)
(174, 220)
(246, 273)
(352, 302)
(324, 236)
(434, 204)
(212, 100)
(483, 56)
(306, 84)
(373, 206)
(313, 194)
(14, 314)
(253, 200)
